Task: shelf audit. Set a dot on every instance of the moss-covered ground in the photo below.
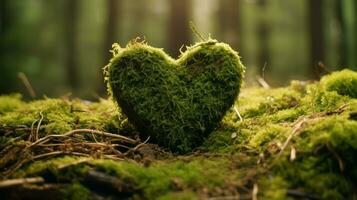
(294, 142)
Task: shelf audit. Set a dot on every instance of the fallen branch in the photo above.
(303, 195)
(298, 126)
(73, 132)
(20, 181)
(137, 146)
(262, 82)
(238, 114)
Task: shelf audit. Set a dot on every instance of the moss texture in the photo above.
(343, 82)
(175, 102)
(317, 162)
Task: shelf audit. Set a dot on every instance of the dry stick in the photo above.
(32, 130)
(113, 157)
(141, 144)
(298, 125)
(262, 82)
(17, 165)
(301, 195)
(263, 69)
(255, 192)
(38, 126)
(73, 132)
(137, 147)
(296, 128)
(236, 110)
(100, 144)
(55, 153)
(27, 84)
(20, 181)
(77, 162)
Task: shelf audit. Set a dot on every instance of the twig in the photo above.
(263, 69)
(32, 130)
(137, 147)
(296, 128)
(79, 161)
(262, 82)
(38, 126)
(297, 193)
(82, 143)
(55, 153)
(73, 132)
(292, 153)
(20, 181)
(27, 84)
(236, 110)
(255, 192)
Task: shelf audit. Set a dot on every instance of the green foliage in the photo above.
(320, 123)
(59, 116)
(51, 166)
(10, 103)
(175, 102)
(343, 82)
(161, 178)
(274, 188)
(76, 191)
(182, 195)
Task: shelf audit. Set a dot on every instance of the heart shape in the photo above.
(175, 102)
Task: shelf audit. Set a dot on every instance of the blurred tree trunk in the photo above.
(343, 43)
(6, 77)
(179, 32)
(71, 17)
(2, 15)
(316, 28)
(263, 38)
(113, 7)
(354, 66)
(229, 22)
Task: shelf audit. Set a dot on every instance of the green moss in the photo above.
(76, 191)
(161, 178)
(59, 116)
(326, 143)
(343, 82)
(56, 115)
(287, 115)
(319, 99)
(273, 188)
(182, 195)
(266, 101)
(51, 165)
(177, 102)
(10, 103)
(269, 133)
(313, 175)
(236, 155)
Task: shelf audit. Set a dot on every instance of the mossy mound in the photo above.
(343, 82)
(295, 142)
(175, 102)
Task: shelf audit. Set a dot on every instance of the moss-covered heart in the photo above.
(175, 102)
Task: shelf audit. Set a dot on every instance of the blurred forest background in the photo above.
(61, 46)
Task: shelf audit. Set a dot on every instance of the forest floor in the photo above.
(294, 142)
